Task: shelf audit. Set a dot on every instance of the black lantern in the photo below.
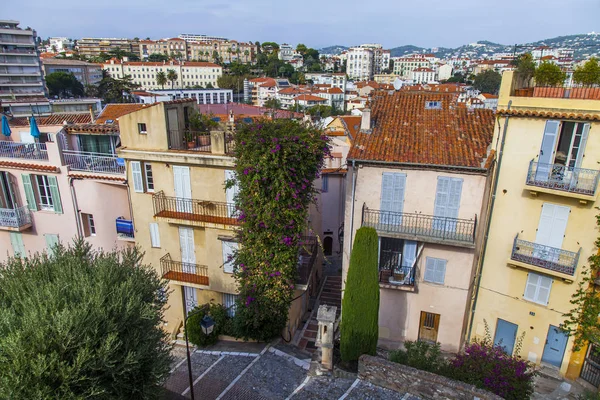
(207, 324)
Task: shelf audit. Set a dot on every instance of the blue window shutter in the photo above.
(392, 191)
(55, 194)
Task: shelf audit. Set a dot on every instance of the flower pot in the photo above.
(191, 145)
(204, 140)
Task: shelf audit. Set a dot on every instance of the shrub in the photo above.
(589, 73)
(421, 355)
(359, 329)
(82, 324)
(549, 74)
(218, 313)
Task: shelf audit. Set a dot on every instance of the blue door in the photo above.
(556, 342)
(506, 333)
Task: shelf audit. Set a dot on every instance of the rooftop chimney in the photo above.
(93, 118)
(365, 122)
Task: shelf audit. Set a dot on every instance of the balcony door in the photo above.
(188, 253)
(546, 156)
(230, 194)
(447, 203)
(551, 231)
(183, 188)
(8, 191)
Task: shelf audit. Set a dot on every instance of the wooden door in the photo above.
(429, 326)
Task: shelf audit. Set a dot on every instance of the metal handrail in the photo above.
(539, 255)
(210, 211)
(563, 178)
(15, 217)
(30, 151)
(169, 265)
(93, 162)
(444, 228)
(186, 139)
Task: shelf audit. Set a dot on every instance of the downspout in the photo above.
(489, 223)
(75, 208)
(352, 206)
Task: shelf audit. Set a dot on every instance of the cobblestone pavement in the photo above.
(227, 375)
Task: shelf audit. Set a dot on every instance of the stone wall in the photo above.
(426, 385)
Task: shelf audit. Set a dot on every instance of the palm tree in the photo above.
(229, 51)
(246, 54)
(172, 76)
(161, 78)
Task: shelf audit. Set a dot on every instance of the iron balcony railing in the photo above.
(189, 140)
(421, 225)
(561, 177)
(194, 210)
(306, 259)
(543, 256)
(94, 162)
(183, 271)
(124, 227)
(15, 217)
(30, 151)
(392, 271)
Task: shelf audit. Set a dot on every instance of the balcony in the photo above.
(183, 272)
(545, 259)
(93, 162)
(422, 227)
(29, 151)
(567, 91)
(15, 219)
(562, 180)
(198, 212)
(125, 230)
(189, 140)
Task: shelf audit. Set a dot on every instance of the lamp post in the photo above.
(207, 324)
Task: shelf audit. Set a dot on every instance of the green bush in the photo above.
(359, 329)
(218, 313)
(420, 355)
(549, 74)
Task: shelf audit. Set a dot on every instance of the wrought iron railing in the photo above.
(563, 178)
(194, 210)
(93, 162)
(421, 225)
(307, 256)
(186, 139)
(30, 151)
(183, 271)
(391, 271)
(15, 217)
(543, 256)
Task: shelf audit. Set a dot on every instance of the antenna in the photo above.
(397, 84)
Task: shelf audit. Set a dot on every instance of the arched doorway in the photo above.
(327, 245)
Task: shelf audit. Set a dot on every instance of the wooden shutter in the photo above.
(440, 270)
(454, 197)
(51, 242)
(531, 286)
(387, 188)
(552, 225)
(442, 195)
(16, 240)
(52, 182)
(546, 155)
(231, 193)
(543, 292)
(29, 194)
(154, 235)
(136, 176)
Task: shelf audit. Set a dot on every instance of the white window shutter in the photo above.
(154, 235)
(545, 283)
(531, 286)
(136, 175)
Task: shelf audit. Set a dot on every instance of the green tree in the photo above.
(82, 324)
(301, 48)
(273, 103)
(361, 298)
(172, 76)
(456, 78)
(525, 67)
(158, 57)
(216, 57)
(112, 90)
(488, 81)
(233, 82)
(161, 79)
(549, 74)
(589, 73)
(64, 84)
(209, 86)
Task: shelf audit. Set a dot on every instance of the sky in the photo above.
(316, 23)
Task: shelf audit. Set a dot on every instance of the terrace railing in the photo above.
(94, 162)
(30, 151)
(183, 271)
(194, 209)
(15, 217)
(539, 255)
(563, 178)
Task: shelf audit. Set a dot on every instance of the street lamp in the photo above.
(207, 324)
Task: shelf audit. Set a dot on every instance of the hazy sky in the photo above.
(316, 23)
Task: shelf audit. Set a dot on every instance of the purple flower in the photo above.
(287, 241)
(246, 171)
(276, 149)
(249, 300)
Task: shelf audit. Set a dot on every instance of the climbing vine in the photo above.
(582, 320)
(277, 162)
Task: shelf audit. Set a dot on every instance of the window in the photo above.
(149, 178)
(433, 105)
(229, 249)
(154, 235)
(142, 129)
(16, 240)
(435, 270)
(325, 183)
(397, 259)
(89, 226)
(44, 195)
(537, 288)
(229, 303)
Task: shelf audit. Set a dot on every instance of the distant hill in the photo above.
(584, 46)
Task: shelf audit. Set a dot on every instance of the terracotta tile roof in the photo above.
(79, 175)
(489, 96)
(114, 111)
(292, 90)
(549, 114)
(108, 129)
(28, 166)
(309, 97)
(327, 171)
(54, 119)
(352, 124)
(335, 90)
(405, 132)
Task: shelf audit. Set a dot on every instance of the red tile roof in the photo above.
(405, 132)
(108, 129)
(29, 166)
(79, 175)
(114, 111)
(309, 97)
(549, 114)
(54, 119)
(352, 124)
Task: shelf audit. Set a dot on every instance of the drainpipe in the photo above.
(489, 223)
(75, 208)
(352, 205)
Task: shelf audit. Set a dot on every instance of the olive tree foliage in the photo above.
(82, 324)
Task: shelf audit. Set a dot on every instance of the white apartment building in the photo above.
(202, 96)
(59, 44)
(423, 75)
(286, 52)
(337, 79)
(192, 37)
(189, 73)
(444, 71)
(359, 64)
(403, 66)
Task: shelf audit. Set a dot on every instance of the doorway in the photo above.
(429, 326)
(554, 350)
(506, 334)
(327, 245)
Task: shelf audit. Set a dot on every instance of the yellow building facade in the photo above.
(542, 227)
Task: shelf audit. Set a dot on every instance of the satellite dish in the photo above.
(397, 84)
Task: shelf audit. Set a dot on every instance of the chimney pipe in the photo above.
(365, 122)
(92, 115)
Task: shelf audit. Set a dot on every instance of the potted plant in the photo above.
(189, 138)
